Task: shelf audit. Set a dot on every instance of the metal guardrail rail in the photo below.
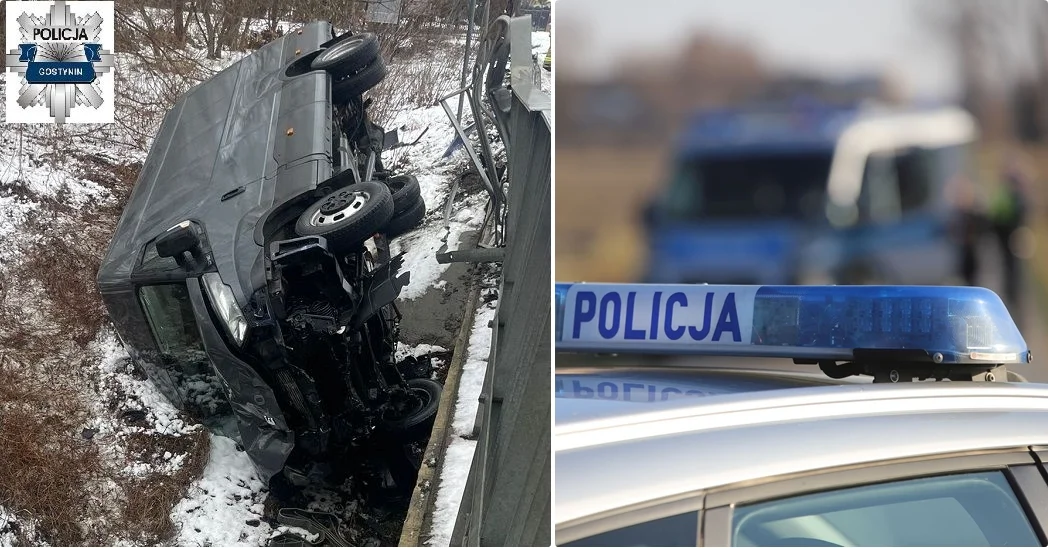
(507, 495)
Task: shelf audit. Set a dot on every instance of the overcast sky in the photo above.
(826, 36)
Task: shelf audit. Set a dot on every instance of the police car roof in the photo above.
(694, 445)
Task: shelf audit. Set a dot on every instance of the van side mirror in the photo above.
(177, 240)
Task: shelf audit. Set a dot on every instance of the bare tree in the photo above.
(1002, 53)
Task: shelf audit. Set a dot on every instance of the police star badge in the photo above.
(60, 61)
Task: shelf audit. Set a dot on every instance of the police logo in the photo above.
(57, 62)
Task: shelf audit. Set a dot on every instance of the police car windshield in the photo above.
(776, 185)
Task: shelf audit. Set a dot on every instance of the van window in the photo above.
(781, 186)
(975, 509)
(171, 321)
(679, 530)
(916, 174)
(174, 328)
(896, 183)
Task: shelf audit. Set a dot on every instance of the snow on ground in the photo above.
(540, 43)
(458, 457)
(117, 383)
(25, 166)
(8, 523)
(435, 173)
(224, 507)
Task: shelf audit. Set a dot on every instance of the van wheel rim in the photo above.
(338, 207)
(417, 401)
(339, 49)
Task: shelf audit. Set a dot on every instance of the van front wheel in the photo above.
(414, 422)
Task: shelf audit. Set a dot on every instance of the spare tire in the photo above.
(348, 55)
(359, 82)
(405, 192)
(348, 216)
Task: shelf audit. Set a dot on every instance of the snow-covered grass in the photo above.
(458, 456)
(540, 43)
(223, 507)
(435, 173)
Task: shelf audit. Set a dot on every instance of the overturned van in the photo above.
(250, 268)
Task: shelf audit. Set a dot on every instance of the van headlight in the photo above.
(226, 305)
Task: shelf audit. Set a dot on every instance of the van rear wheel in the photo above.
(348, 216)
(357, 83)
(348, 55)
(406, 221)
(405, 192)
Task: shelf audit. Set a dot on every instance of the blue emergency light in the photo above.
(940, 325)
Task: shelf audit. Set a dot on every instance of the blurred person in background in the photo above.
(1008, 214)
(971, 225)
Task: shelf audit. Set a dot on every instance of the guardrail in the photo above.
(507, 495)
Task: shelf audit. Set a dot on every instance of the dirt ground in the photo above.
(600, 195)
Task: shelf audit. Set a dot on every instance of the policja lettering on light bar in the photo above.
(657, 315)
(935, 331)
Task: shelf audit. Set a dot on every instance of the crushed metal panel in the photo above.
(264, 432)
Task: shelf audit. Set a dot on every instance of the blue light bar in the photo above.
(953, 325)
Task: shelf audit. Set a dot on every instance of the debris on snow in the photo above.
(435, 173)
(419, 350)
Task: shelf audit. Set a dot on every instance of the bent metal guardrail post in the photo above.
(507, 495)
(487, 87)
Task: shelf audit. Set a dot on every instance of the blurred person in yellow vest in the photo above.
(1009, 207)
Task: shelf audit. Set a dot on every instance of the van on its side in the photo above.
(250, 271)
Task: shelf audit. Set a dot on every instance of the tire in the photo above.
(348, 216)
(356, 84)
(405, 192)
(407, 221)
(348, 55)
(416, 425)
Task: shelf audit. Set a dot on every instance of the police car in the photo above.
(843, 450)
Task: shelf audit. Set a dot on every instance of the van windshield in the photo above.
(780, 186)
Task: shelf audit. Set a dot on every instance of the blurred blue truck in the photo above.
(808, 193)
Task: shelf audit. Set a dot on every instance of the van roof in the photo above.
(803, 126)
(231, 132)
